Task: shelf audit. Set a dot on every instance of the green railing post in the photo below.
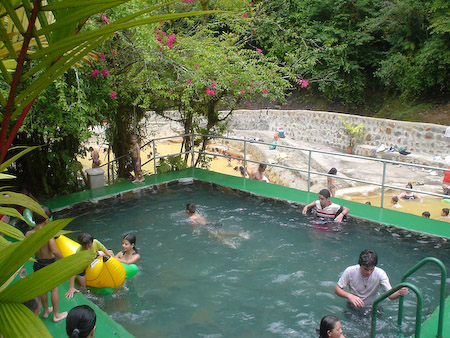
(441, 296)
(382, 185)
(410, 286)
(154, 157)
(309, 171)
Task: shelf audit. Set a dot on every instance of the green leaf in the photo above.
(15, 255)
(14, 198)
(10, 231)
(10, 161)
(47, 278)
(11, 212)
(13, 317)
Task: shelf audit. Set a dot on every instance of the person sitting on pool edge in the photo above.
(325, 208)
(87, 242)
(363, 281)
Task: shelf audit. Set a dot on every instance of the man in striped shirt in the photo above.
(325, 208)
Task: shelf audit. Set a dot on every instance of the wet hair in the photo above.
(333, 171)
(368, 203)
(426, 214)
(80, 321)
(132, 239)
(395, 199)
(85, 239)
(327, 324)
(368, 258)
(325, 193)
(446, 211)
(38, 219)
(191, 208)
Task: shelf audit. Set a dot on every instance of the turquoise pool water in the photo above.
(277, 283)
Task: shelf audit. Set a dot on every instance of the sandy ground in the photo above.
(396, 175)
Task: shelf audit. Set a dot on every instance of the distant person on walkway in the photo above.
(95, 158)
(135, 151)
(426, 214)
(330, 327)
(325, 208)
(394, 201)
(409, 195)
(446, 182)
(330, 182)
(80, 322)
(258, 173)
(363, 281)
(445, 213)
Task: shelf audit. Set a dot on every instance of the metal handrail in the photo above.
(442, 291)
(389, 293)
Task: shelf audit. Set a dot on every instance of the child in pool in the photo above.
(129, 254)
(87, 242)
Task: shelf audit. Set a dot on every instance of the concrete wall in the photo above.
(327, 128)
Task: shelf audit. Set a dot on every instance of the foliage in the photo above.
(354, 131)
(172, 163)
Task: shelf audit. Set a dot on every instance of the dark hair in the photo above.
(132, 239)
(262, 166)
(333, 171)
(410, 185)
(368, 258)
(325, 193)
(80, 321)
(395, 199)
(368, 203)
(90, 149)
(446, 211)
(38, 219)
(426, 214)
(85, 239)
(191, 208)
(327, 324)
(32, 304)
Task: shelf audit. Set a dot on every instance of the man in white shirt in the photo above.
(363, 281)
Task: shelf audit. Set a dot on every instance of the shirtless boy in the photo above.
(136, 160)
(46, 256)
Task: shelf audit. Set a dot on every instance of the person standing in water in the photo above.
(129, 254)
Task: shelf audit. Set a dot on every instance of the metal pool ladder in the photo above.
(412, 287)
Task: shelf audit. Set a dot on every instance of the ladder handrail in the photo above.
(390, 292)
(442, 291)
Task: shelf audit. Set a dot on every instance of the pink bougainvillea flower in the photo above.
(265, 91)
(274, 99)
(158, 38)
(213, 85)
(95, 72)
(303, 83)
(161, 22)
(235, 82)
(251, 85)
(171, 37)
(189, 81)
(113, 95)
(102, 56)
(210, 92)
(259, 50)
(105, 72)
(245, 15)
(190, 1)
(242, 91)
(104, 18)
(196, 66)
(162, 32)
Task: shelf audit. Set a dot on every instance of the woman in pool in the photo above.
(129, 254)
(80, 322)
(409, 195)
(330, 327)
(330, 182)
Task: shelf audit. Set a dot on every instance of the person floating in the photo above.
(363, 281)
(80, 322)
(325, 208)
(330, 327)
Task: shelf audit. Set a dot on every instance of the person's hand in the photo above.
(356, 301)
(339, 218)
(70, 292)
(22, 272)
(305, 210)
(403, 291)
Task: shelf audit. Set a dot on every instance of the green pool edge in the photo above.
(384, 216)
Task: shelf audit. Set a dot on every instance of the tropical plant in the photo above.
(354, 131)
(16, 320)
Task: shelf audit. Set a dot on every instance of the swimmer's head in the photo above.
(129, 240)
(368, 258)
(333, 171)
(85, 240)
(394, 199)
(38, 219)
(190, 208)
(324, 197)
(262, 166)
(426, 214)
(445, 212)
(409, 185)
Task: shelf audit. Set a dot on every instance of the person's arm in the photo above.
(355, 300)
(340, 217)
(400, 196)
(54, 249)
(307, 207)
(72, 290)
(133, 259)
(401, 292)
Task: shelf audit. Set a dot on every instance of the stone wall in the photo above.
(327, 128)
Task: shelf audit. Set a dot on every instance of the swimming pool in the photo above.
(278, 283)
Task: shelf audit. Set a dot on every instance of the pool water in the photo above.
(277, 282)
